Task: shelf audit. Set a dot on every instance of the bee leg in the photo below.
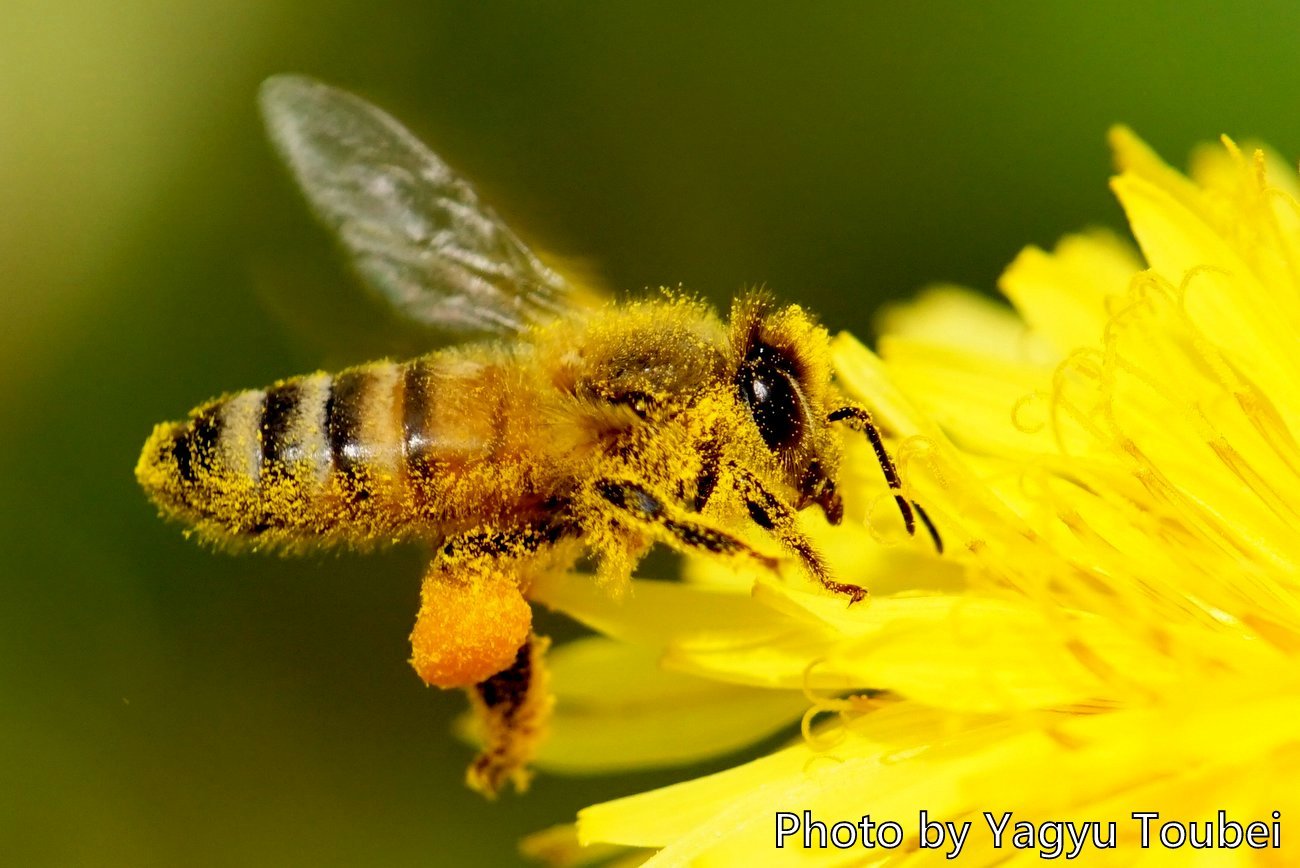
(513, 710)
(473, 616)
(774, 515)
(859, 419)
(621, 549)
(636, 505)
(473, 631)
(707, 479)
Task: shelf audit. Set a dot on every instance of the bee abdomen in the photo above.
(365, 455)
(402, 438)
(247, 466)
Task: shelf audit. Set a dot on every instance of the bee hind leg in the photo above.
(513, 711)
(473, 616)
(474, 630)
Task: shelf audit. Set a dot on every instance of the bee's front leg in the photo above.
(707, 478)
(776, 516)
(632, 504)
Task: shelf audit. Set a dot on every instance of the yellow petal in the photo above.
(1215, 288)
(974, 398)
(654, 613)
(1065, 295)
(1134, 156)
(558, 846)
(738, 801)
(957, 318)
(863, 375)
(618, 709)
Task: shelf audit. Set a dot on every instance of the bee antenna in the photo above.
(929, 526)
(860, 420)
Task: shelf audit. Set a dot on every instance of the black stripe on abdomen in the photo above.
(183, 455)
(276, 424)
(343, 419)
(196, 445)
(416, 395)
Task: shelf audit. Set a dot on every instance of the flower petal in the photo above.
(654, 613)
(1065, 295)
(618, 709)
(1214, 287)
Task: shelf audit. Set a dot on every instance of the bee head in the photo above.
(782, 377)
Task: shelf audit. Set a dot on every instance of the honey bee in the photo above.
(569, 425)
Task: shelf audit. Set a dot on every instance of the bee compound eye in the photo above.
(774, 403)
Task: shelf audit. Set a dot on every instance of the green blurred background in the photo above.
(162, 705)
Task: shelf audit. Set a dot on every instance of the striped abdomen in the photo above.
(374, 453)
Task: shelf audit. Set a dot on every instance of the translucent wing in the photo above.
(415, 230)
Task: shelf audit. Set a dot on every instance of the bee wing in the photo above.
(415, 230)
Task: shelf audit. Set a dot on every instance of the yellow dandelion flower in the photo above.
(1113, 637)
